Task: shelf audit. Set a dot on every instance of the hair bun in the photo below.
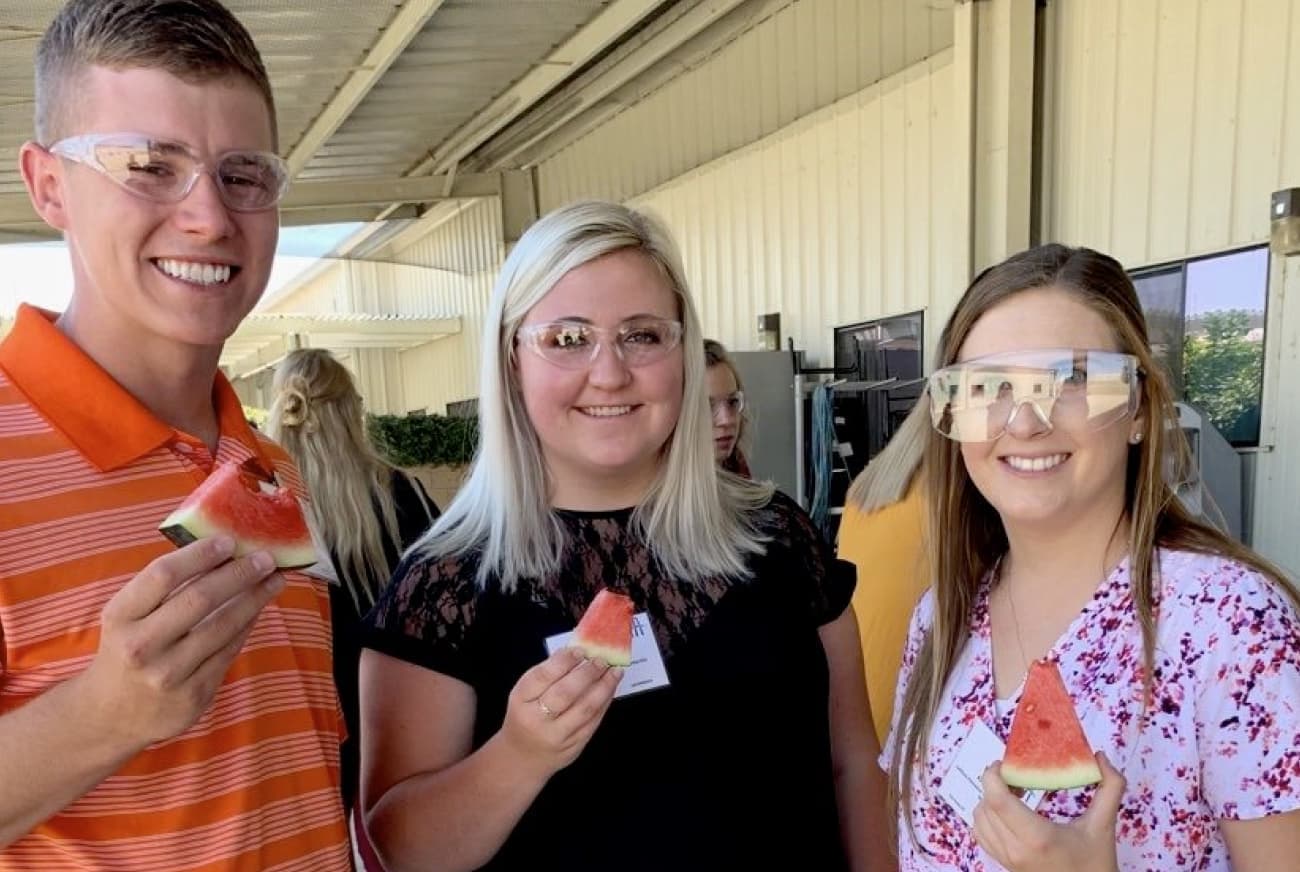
(295, 405)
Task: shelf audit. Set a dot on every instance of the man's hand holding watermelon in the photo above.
(1023, 841)
(169, 636)
(167, 639)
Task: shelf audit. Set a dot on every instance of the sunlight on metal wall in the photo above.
(468, 251)
(1170, 123)
(804, 57)
(842, 217)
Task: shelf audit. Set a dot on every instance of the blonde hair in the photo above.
(890, 474)
(716, 354)
(317, 416)
(974, 538)
(194, 40)
(693, 518)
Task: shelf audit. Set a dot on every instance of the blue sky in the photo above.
(1235, 281)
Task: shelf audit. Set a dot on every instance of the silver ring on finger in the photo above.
(546, 710)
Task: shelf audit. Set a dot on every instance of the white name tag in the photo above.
(961, 786)
(647, 670)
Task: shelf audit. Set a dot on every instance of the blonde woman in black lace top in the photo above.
(596, 470)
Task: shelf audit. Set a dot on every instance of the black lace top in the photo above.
(726, 768)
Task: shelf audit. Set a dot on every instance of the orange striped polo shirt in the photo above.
(86, 475)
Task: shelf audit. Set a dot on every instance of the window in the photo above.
(1206, 320)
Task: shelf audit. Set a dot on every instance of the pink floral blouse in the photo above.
(1222, 739)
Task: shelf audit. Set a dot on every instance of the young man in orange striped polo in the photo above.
(159, 708)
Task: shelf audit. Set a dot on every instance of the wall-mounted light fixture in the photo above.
(769, 332)
(1285, 220)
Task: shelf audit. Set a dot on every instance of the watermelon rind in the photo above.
(177, 533)
(612, 656)
(189, 523)
(1077, 774)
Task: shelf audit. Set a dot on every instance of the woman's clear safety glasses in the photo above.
(575, 344)
(1068, 388)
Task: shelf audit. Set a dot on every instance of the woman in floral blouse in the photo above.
(1059, 537)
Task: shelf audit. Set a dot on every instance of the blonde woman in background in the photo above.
(366, 511)
(596, 470)
(881, 534)
(727, 405)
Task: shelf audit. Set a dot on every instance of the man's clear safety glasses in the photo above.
(165, 172)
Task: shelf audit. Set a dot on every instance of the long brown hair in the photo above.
(974, 539)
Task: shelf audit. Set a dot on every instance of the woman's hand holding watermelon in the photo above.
(168, 637)
(556, 706)
(1022, 841)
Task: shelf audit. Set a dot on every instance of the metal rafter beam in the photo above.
(535, 147)
(598, 34)
(406, 24)
(682, 24)
(262, 342)
(25, 234)
(385, 190)
(310, 202)
(267, 355)
(262, 326)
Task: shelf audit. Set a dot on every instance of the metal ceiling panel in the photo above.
(468, 53)
(309, 48)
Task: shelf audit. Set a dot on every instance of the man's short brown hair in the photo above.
(194, 40)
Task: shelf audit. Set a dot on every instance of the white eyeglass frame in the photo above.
(81, 149)
(528, 337)
(720, 403)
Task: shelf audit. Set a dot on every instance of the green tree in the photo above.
(1223, 372)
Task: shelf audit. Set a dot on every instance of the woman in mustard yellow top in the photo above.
(881, 534)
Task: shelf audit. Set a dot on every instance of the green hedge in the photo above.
(255, 416)
(424, 440)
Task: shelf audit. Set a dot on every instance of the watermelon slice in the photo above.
(605, 631)
(259, 515)
(1047, 749)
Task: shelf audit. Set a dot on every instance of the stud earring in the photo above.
(1135, 438)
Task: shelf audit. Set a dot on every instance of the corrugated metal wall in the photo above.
(804, 57)
(318, 294)
(379, 378)
(1170, 122)
(839, 218)
(448, 273)
(799, 211)
(1277, 472)
(468, 251)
